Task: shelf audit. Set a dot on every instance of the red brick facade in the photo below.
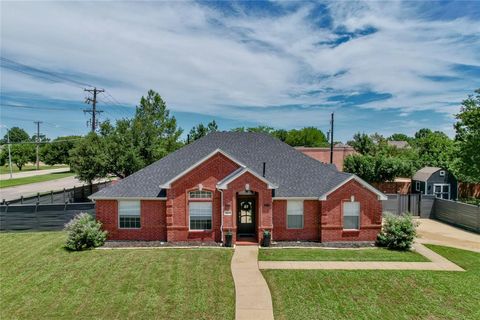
(168, 220)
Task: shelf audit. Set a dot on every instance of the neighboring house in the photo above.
(435, 181)
(340, 152)
(399, 144)
(244, 183)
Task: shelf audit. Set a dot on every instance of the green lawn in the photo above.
(318, 254)
(34, 179)
(40, 280)
(379, 294)
(5, 169)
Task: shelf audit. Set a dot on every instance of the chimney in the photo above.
(263, 173)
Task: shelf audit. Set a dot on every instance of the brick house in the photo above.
(244, 183)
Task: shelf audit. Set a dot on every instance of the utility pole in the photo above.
(331, 139)
(38, 142)
(9, 153)
(94, 110)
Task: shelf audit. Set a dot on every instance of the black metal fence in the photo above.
(40, 217)
(71, 195)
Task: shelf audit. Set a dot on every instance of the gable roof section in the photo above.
(425, 173)
(381, 195)
(223, 184)
(295, 174)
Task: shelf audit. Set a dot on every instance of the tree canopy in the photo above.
(201, 130)
(16, 135)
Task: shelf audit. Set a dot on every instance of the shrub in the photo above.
(84, 232)
(398, 232)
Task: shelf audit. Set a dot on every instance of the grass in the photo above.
(27, 180)
(379, 294)
(5, 169)
(318, 254)
(41, 280)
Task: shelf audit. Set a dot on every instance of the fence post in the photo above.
(51, 196)
(21, 199)
(64, 195)
(38, 197)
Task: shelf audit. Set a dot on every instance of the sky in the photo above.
(385, 67)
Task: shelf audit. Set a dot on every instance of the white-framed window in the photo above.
(417, 185)
(200, 215)
(441, 191)
(351, 215)
(200, 194)
(129, 214)
(294, 214)
(442, 173)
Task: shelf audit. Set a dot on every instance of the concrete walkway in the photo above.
(252, 296)
(436, 232)
(438, 263)
(26, 174)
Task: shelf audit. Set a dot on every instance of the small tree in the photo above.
(16, 135)
(58, 151)
(88, 159)
(84, 232)
(398, 232)
(22, 154)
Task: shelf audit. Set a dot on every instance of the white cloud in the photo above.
(202, 60)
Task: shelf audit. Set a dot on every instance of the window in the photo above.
(442, 173)
(351, 215)
(200, 194)
(294, 214)
(417, 185)
(200, 215)
(441, 191)
(129, 214)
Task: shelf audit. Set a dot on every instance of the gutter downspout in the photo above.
(221, 215)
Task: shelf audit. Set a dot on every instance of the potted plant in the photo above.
(267, 236)
(228, 239)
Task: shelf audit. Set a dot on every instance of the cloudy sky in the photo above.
(380, 66)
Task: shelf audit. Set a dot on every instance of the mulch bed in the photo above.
(357, 244)
(150, 244)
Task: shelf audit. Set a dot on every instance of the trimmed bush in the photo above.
(84, 232)
(398, 232)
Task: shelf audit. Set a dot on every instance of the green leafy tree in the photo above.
(122, 155)
(399, 137)
(362, 166)
(201, 130)
(22, 154)
(378, 169)
(155, 132)
(88, 159)
(58, 151)
(16, 135)
(434, 148)
(363, 144)
(281, 134)
(467, 164)
(307, 137)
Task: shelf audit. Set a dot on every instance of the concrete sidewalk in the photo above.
(438, 263)
(26, 174)
(436, 232)
(252, 296)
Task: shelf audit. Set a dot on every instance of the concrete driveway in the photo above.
(436, 232)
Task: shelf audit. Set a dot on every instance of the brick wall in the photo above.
(207, 174)
(152, 220)
(332, 214)
(311, 222)
(323, 154)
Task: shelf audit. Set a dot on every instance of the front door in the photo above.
(246, 216)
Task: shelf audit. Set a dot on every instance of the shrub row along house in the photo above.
(244, 183)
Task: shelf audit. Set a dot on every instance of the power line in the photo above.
(31, 107)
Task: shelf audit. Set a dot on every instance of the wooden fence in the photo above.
(41, 217)
(464, 215)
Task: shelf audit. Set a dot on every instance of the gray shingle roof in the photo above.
(296, 174)
(425, 173)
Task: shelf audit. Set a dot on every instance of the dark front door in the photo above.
(246, 216)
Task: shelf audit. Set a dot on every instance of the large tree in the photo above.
(363, 144)
(58, 151)
(435, 148)
(16, 135)
(467, 164)
(88, 159)
(22, 153)
(201, 130)
(155, 132)
(306, 137)
(378, 168)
